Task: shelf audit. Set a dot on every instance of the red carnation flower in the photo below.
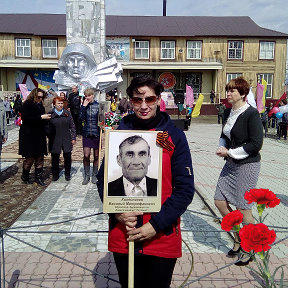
(262, 196)
(256, 237)
(232, 219)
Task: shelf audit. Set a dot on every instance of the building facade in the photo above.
(203, 52)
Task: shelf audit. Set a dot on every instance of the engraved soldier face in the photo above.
(77, 66)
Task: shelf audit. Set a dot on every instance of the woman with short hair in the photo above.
(62, 138)
(240, 142)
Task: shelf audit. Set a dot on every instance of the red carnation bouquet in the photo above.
(256, 238)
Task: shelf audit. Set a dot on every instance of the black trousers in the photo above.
(55, 163)
(149, 271)
(77, 122)
(220, 118)
(282, 130)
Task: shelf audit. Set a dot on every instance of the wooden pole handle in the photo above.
(131, 265)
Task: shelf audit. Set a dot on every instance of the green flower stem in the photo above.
(260, 208)
(261, 255)
(236, 228)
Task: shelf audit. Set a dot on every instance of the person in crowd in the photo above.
(157, 235)
(89, 115)
(12, 114)
(64, 99)
(62, 137)
(239, 144)
(189, 110)
(270, 106)
(283, 122)
(32, 135)
(212, 96)
(7, 106)
(74, 103)
(48, 101)
(18, 105)
(124, 105)
(113, 105)
(220, 112)
(3, 127)
(134, 158)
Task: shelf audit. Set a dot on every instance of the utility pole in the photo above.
(164, 7)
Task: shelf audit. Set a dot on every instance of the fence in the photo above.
(8, 232)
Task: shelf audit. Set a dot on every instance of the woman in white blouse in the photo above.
(239, 144)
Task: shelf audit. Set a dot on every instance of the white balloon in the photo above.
(283, 109)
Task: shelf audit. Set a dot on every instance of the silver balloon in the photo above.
(77, 66)
(283, 109)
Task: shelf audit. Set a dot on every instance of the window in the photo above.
(269, 79)
(235, 49)
(167, 49)
(49, 48)
(231, 76)
(194, 49)
(141, 49)
(23, 47)
(266, 50)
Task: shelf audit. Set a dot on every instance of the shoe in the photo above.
(67, 177)
(55, 177)
(25, 177)
(38, 177)
(94, 175)
(244, 258)
(232, 253)
(86, 179)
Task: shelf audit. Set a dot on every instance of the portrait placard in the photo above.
(104, 106)
(132, 171)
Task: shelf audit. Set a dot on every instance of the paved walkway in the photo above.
(77, 241)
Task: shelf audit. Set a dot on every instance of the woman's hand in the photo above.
(46, 116)
(73, 142)
(85, 102)
(145, 232)
(222, 152)
(129, 219)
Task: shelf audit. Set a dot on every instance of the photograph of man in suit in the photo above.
(134, 158)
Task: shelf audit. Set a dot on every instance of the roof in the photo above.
(133, 26)
(192, 26)
(34, 24)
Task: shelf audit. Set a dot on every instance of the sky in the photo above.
(266, 13)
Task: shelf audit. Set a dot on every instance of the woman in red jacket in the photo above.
(157, 236)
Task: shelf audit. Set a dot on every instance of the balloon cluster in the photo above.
(279, 111)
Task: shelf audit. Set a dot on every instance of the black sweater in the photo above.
(247, 132)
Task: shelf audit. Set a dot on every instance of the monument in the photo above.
(83, 61)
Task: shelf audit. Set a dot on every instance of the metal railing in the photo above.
(14, 230)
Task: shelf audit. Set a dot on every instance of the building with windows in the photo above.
(203, 52)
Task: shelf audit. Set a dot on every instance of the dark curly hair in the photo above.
(34, 94)
(141, 81)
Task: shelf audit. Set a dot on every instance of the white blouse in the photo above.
(237, 153)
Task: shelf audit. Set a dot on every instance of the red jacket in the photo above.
(176, 169)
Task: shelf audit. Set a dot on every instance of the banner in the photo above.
(24, 91)
(196, 110)
(264, 83)
(259, 96)
(189, 96)
(250, 99)
(42, 87)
